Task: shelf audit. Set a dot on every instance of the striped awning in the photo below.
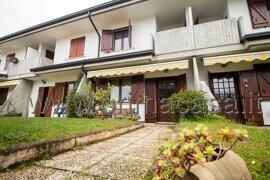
(9, 83)
(183, 64)
(237, 58)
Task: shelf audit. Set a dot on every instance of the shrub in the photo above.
(189, 104)
(72, 105)
(194, 147)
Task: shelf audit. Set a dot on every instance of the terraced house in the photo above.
(148, 48)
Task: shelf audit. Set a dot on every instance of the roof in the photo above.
(94, 60)
(64, 18)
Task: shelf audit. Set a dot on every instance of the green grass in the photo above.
(17, 130)
(256, 149)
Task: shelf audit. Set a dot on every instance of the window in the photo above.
(49, 54)
(121, 89)
(77, 48)
(268, 7)
(224, 88)
(121, 40)
(116, 40)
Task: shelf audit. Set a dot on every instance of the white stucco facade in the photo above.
(239, 8)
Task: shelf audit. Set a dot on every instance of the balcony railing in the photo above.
(23, 66)
(206, 35)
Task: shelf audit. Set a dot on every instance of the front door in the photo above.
(157, 92)
(3, 95)
(165, 88)
(250, 94)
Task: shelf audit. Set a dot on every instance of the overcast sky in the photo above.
(20, 14)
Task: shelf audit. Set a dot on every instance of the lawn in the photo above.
(17, 130)
(256, 152)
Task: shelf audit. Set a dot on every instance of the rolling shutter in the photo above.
(258, 13)
(107, 41)
(137, 89)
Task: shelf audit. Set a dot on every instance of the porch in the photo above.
(145, 88)
(241, 84)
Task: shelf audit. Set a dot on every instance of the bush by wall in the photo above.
(189, 104)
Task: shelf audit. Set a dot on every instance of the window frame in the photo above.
(121, 30)
(120, 87)
(77, 42)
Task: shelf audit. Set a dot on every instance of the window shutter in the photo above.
(151, 102)
(102, 83)
(58, 94)
(137, 89)
(258, 13)
(181, 82)
(107, 41)
(49, 102)
(73, 48)
(129, 33)
(39, 101)
(80, 47)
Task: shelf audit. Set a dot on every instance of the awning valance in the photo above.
(138, 69)
(9, 83)
(237, 58)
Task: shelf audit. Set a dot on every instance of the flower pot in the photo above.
(229, 167)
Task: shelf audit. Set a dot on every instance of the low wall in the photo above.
(17, 155)
(17, 103)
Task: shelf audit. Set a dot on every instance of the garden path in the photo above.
(128, 156)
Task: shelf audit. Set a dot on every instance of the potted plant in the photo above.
(194, 154)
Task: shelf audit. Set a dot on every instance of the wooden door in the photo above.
(150, 103)
(250, 93)
(225, 88)
(3, 95)
(165, 88)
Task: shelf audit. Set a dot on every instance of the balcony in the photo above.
(23, 66)
(206, 35)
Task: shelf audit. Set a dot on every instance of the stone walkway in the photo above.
(129, 156)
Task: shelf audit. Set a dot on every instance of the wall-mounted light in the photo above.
(43, 81)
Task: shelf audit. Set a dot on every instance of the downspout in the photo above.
(83, 70)
(99, 37)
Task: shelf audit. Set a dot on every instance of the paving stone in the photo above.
(124, 157)
(122, 167)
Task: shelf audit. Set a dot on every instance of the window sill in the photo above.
(76, 59)
(116, 52)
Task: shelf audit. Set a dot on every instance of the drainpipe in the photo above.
(99, 37)
(83, 70)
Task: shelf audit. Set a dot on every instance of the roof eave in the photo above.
(94, 60)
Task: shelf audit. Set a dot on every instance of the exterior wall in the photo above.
(141, 39)
(2, 64)
(237, 8)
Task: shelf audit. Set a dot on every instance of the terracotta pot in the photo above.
(229, 167)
